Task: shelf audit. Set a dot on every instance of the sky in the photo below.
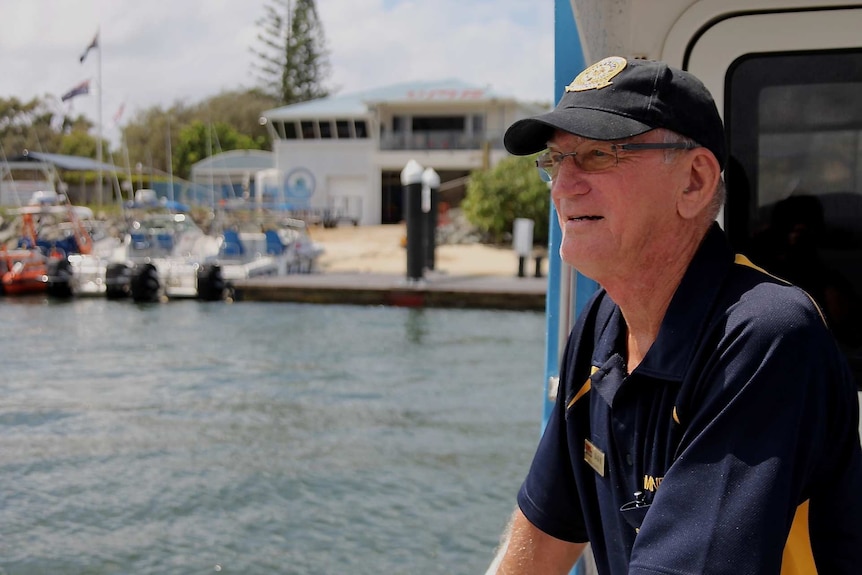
(160, 52)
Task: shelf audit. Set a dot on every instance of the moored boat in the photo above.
(256, 242)
(165, 254)
(38, 262)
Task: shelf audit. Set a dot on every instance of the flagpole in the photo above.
(128, 167)
(170, 163)
(99, 113)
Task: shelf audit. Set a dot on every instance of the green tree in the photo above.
(511, 189)
(294, 59)
(145, 136)
(199, 140)
(241, 110)
(79, 142)
(32, 125)
(37, 126)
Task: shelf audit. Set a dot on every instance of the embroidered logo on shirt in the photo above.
(651, 483)
(594, 457)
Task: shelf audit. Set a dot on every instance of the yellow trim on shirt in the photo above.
(744, 261)
(798, 559)
(584, 388)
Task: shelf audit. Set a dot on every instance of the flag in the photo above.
(93, 44)
(79, 90)
(119, 113)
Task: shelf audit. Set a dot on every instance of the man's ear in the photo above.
(704, 173)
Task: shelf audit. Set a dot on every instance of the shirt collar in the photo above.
(669, 356)
(680, 331)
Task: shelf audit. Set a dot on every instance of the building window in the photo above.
(361, 129)
(308, 131)
(321, 129)
(478, 124)
(439, 124)
(342, 128)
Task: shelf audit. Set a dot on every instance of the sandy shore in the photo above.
(379, 249)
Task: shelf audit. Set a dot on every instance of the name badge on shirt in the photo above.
(594, 457)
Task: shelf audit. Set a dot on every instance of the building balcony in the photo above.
(438, 140)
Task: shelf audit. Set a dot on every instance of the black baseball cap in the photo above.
(618, 98)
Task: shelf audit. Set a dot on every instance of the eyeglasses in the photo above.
(598, 156)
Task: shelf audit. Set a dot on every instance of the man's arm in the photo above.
(527, 550)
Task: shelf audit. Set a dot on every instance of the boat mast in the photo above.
(98, 47)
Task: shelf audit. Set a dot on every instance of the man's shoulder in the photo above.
(753, 296)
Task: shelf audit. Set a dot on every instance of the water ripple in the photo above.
(261, 438)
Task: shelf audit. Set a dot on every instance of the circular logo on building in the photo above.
(299, 183)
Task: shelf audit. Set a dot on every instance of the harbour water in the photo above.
(258, 438)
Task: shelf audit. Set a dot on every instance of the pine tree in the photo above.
(294, 59)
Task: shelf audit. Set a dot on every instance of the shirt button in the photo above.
(629, 458)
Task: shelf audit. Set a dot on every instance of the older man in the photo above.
(706, 422)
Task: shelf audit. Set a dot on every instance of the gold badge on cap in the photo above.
(598, 75)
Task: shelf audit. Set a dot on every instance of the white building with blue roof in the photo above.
(344, 154)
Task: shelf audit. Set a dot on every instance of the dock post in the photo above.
(430, 203)
(411, 182)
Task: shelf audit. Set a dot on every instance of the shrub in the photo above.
(511, 189)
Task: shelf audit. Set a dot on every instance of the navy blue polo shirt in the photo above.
(732, 448)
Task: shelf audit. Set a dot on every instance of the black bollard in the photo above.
(411, 182)
(539, 259)
(430, 209)
(522, 266)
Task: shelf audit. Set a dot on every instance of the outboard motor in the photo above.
(211, 283)
(118, 280)
(59, 273)
(145, 283)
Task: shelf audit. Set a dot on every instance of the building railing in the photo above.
(438, 140)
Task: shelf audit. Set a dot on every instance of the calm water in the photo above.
(261, 438)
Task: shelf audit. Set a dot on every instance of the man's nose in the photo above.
(570, 179)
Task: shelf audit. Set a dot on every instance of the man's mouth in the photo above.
(584, 218)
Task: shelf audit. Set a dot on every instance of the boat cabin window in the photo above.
(794, 206)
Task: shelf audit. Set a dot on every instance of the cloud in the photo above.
(488, 43)
(159, 52)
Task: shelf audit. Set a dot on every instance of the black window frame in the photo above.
(745, 79)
